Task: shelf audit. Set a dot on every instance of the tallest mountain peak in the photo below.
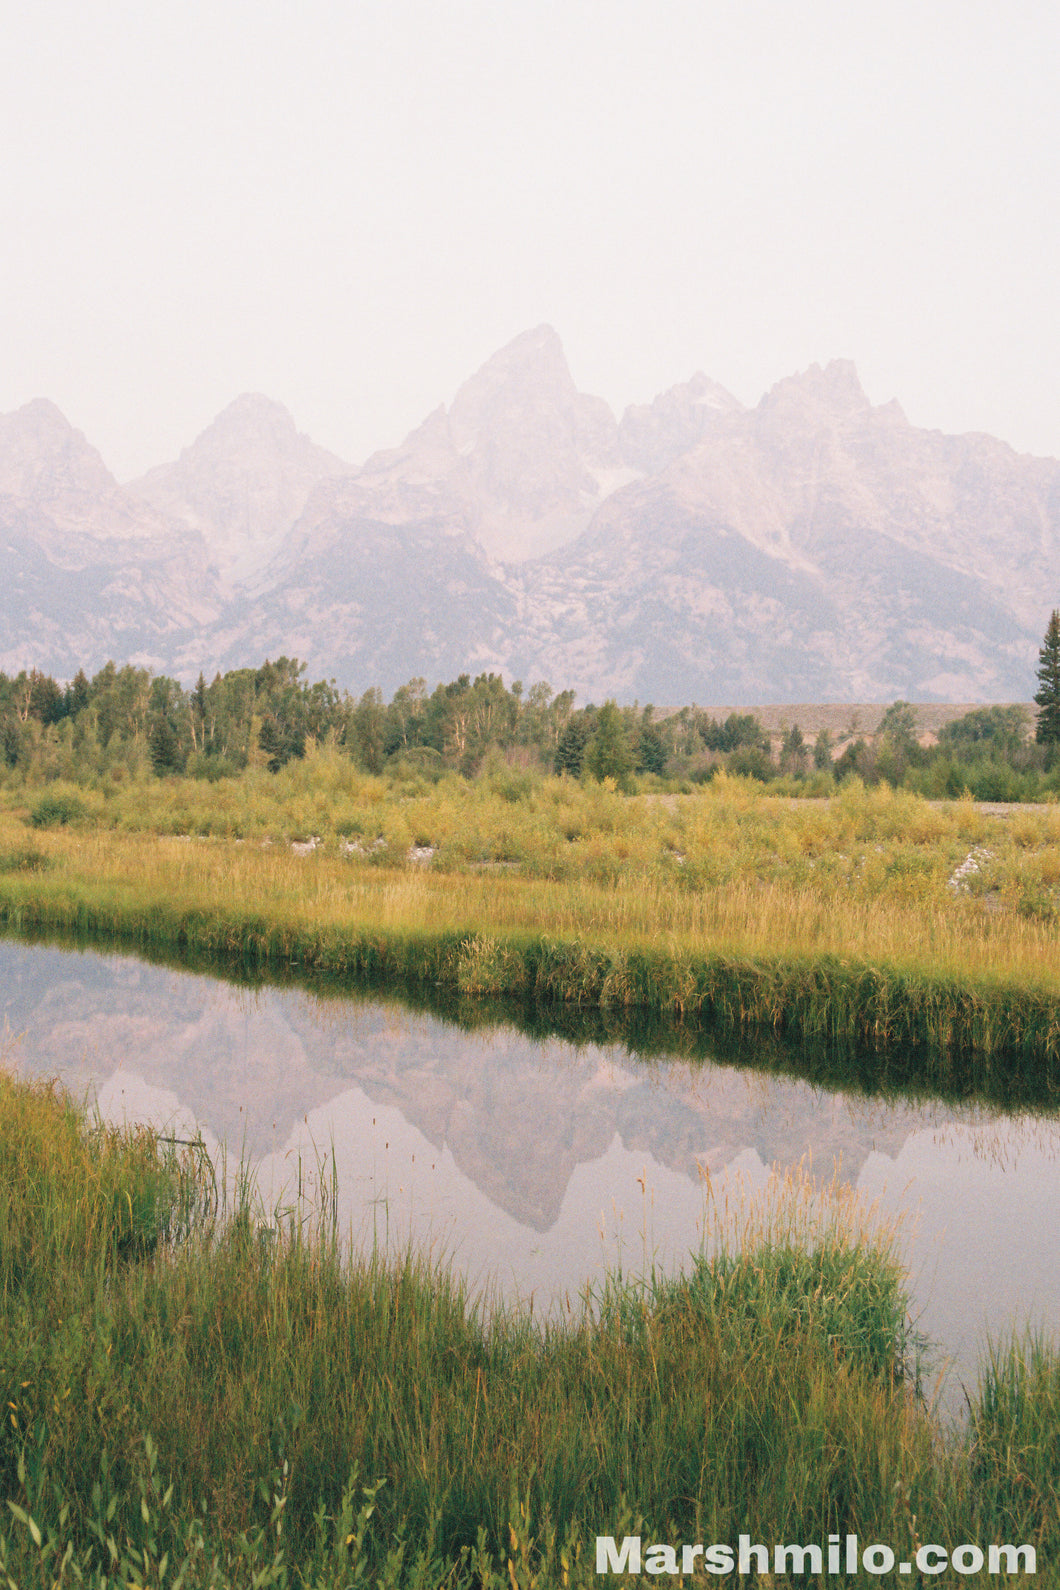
(539, 343)
(532, 363)
(538, 453)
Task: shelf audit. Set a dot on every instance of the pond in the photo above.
(531, 1162)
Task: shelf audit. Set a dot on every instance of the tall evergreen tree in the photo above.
(1047, 696)
(570, 752)
(78, 693)
(164, 747)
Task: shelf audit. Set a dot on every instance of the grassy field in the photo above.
(195, 1401)
(198, 1402)
(873, 918)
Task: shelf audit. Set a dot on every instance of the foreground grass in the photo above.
(849, 921)
(252, 1406)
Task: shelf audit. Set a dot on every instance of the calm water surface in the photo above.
(532, 1165)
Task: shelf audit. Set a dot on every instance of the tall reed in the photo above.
(253, 1405)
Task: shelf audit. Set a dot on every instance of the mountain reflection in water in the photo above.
(531, 1162)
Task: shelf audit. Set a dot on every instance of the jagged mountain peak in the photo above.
(519, 462)
(251, 421)
(257, 406)
(538, 349)
(823, 392)
(40, 414)
(529, 371)
(654, 434)
(710, 394)
(86, 570)
(537, 455)
(242, 483)
(42, 455)
(251, 425)
(813, 546)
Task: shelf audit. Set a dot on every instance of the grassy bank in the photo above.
(251, 1406)
(926, 935)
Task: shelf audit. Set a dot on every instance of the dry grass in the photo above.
(874, 918)
(866, 876)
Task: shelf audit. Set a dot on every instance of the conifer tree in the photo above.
(570, 752)
(1047, 696)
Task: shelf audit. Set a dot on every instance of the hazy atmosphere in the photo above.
(529, 792)
(351, 207)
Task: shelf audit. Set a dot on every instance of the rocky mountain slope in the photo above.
(241, 485)
(87, 571)
(811, 547)
(820, 545)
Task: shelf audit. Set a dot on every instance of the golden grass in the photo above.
(872, 919)
(862, 906)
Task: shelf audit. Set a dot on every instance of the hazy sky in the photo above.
(350, 204)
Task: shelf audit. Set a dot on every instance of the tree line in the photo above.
(126, 721)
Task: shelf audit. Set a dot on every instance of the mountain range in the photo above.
(813, 547)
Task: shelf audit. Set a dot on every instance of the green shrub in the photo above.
(417, 762)
(56, 810)
(211, 768)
